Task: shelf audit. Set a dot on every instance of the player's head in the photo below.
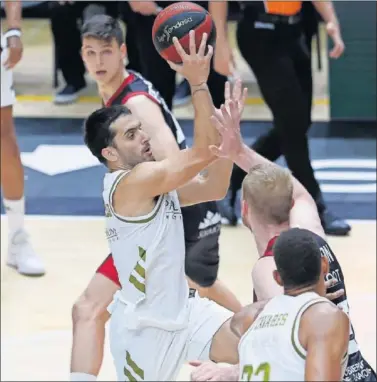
(267, 196)
(299, 262)
(116, 138)
(103, 49)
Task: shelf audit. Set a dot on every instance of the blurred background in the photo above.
(50, 109)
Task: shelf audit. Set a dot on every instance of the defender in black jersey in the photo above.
(103, 53)
(273, 202)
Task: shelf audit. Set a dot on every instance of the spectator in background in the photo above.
(128, 17)
(272, 41)
(65, 17)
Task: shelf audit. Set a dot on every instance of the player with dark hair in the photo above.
(156, 323)
(273, 202)
(298, 335)
(103, 52)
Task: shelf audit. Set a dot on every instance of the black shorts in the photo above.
(202, 225)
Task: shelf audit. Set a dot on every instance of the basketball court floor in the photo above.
(63, 191)
(67, 227)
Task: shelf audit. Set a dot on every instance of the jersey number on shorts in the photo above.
(248, 372)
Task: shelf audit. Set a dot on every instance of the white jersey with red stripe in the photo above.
(270, 350)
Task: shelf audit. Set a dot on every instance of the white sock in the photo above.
(15, 210)
(82, 377)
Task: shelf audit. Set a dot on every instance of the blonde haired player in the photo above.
(20, 253)
(298, 335)
(273, 202)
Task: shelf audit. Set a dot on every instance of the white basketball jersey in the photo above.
(149, 255)
(270, 350)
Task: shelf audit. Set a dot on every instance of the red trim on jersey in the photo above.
(268, 252)
(107, 268)
(126, 81)
(133, 94)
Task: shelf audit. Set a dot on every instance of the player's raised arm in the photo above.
(116, 138)
(214, 185)
(304, 213)
(195, 68)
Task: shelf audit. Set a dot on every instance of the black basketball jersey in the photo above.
(135, 84)
(200, 220)
(357, 368)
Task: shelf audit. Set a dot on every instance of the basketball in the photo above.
(177, 20)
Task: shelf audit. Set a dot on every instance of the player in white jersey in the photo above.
(156, 324)
(299, 335)
(273, 202)
(20, 253)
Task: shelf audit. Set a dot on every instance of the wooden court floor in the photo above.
(36, 312)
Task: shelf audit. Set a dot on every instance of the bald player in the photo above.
(273, 202)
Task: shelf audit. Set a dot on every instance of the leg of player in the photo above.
(89, 317)
(201, 266)
(20, 255)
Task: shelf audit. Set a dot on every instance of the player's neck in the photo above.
(106, 91)
(263, 233)
(298, 291)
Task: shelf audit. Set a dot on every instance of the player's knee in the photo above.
(202, 273)
(88, 310)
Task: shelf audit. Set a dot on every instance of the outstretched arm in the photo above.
(215, 183)
(239, 324)
(150, 179)
(304, 213)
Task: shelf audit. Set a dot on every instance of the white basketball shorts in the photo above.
(153, 354)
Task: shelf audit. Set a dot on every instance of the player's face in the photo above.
(103, 59)
(131, 142)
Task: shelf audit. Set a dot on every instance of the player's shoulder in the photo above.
(242, 320)
(137, 83)
(324, 312)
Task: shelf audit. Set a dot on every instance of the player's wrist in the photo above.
(198, 86)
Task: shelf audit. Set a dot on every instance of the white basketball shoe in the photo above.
(22, 257)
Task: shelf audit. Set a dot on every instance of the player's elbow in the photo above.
(87, 310)
(220, 190)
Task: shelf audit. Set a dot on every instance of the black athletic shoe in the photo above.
(333, 225)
